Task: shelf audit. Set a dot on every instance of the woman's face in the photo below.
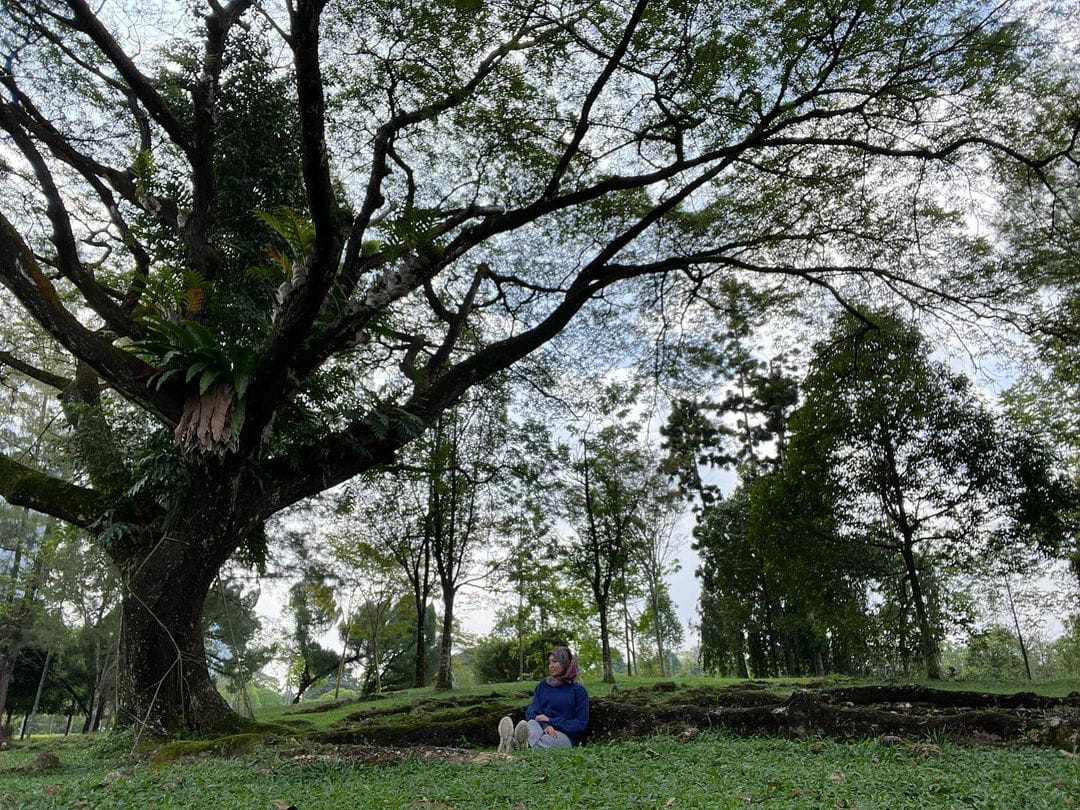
(555, 669)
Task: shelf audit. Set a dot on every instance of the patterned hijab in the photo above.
(569, 667)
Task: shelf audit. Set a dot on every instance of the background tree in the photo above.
(233, 651)
(607, 483)
(464, 475)
(314, 610)
(917, 465)
(374, 586)
(393, 513)
(83, 589)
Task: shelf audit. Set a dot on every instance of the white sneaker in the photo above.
(506, 731)
(521, 735)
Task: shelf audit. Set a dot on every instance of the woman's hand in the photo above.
(550, 731)
(542, 718)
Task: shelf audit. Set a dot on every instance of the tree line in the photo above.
(874, 496)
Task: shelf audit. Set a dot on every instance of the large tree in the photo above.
(444, 185)
(909, 461)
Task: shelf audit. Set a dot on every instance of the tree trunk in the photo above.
(605, 646)
(443, 680)
(341, 659)
(378, 664)
(654, 599)
(7, 669)
(740, 657)
(1016, 624)
(164, 685)
(37, 694)
(420, 669)
(926, 636)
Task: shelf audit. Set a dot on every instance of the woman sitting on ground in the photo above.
(559, 711)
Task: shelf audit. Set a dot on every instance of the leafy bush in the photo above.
(497, 660)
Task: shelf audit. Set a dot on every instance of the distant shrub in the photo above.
(497, 659)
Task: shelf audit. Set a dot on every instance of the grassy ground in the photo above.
(713, 770)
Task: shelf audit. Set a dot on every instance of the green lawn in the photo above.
(714, 770)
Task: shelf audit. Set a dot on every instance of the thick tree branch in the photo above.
(20, 273)
(63, 239)
(384, 137)
(199, 225)
(24, 486)
(591, 97)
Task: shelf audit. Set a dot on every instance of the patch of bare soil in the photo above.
(897, 711)
(384, 755)
(316, 708)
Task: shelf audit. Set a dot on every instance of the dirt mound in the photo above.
(899, 711)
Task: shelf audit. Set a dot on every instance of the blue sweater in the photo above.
(567, 708)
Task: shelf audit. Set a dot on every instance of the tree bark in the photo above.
(1016, 624)
(7, 668)
(605, 646)
(443, 680)
(37, 694)
(740, 657)
(654, 599)
(926, 636)
(164, 684)
(420, 669)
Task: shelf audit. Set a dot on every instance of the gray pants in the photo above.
(538, 739)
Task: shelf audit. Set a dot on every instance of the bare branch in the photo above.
(45, 377)
(86, 21)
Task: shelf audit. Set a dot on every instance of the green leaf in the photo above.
(198, 368)
(202, 335)
(243, 367)
(159, 379)
(207, 380)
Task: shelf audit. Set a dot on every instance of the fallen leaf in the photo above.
(795, 792)
(836, 777)
(669, 802)
(52, 790)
